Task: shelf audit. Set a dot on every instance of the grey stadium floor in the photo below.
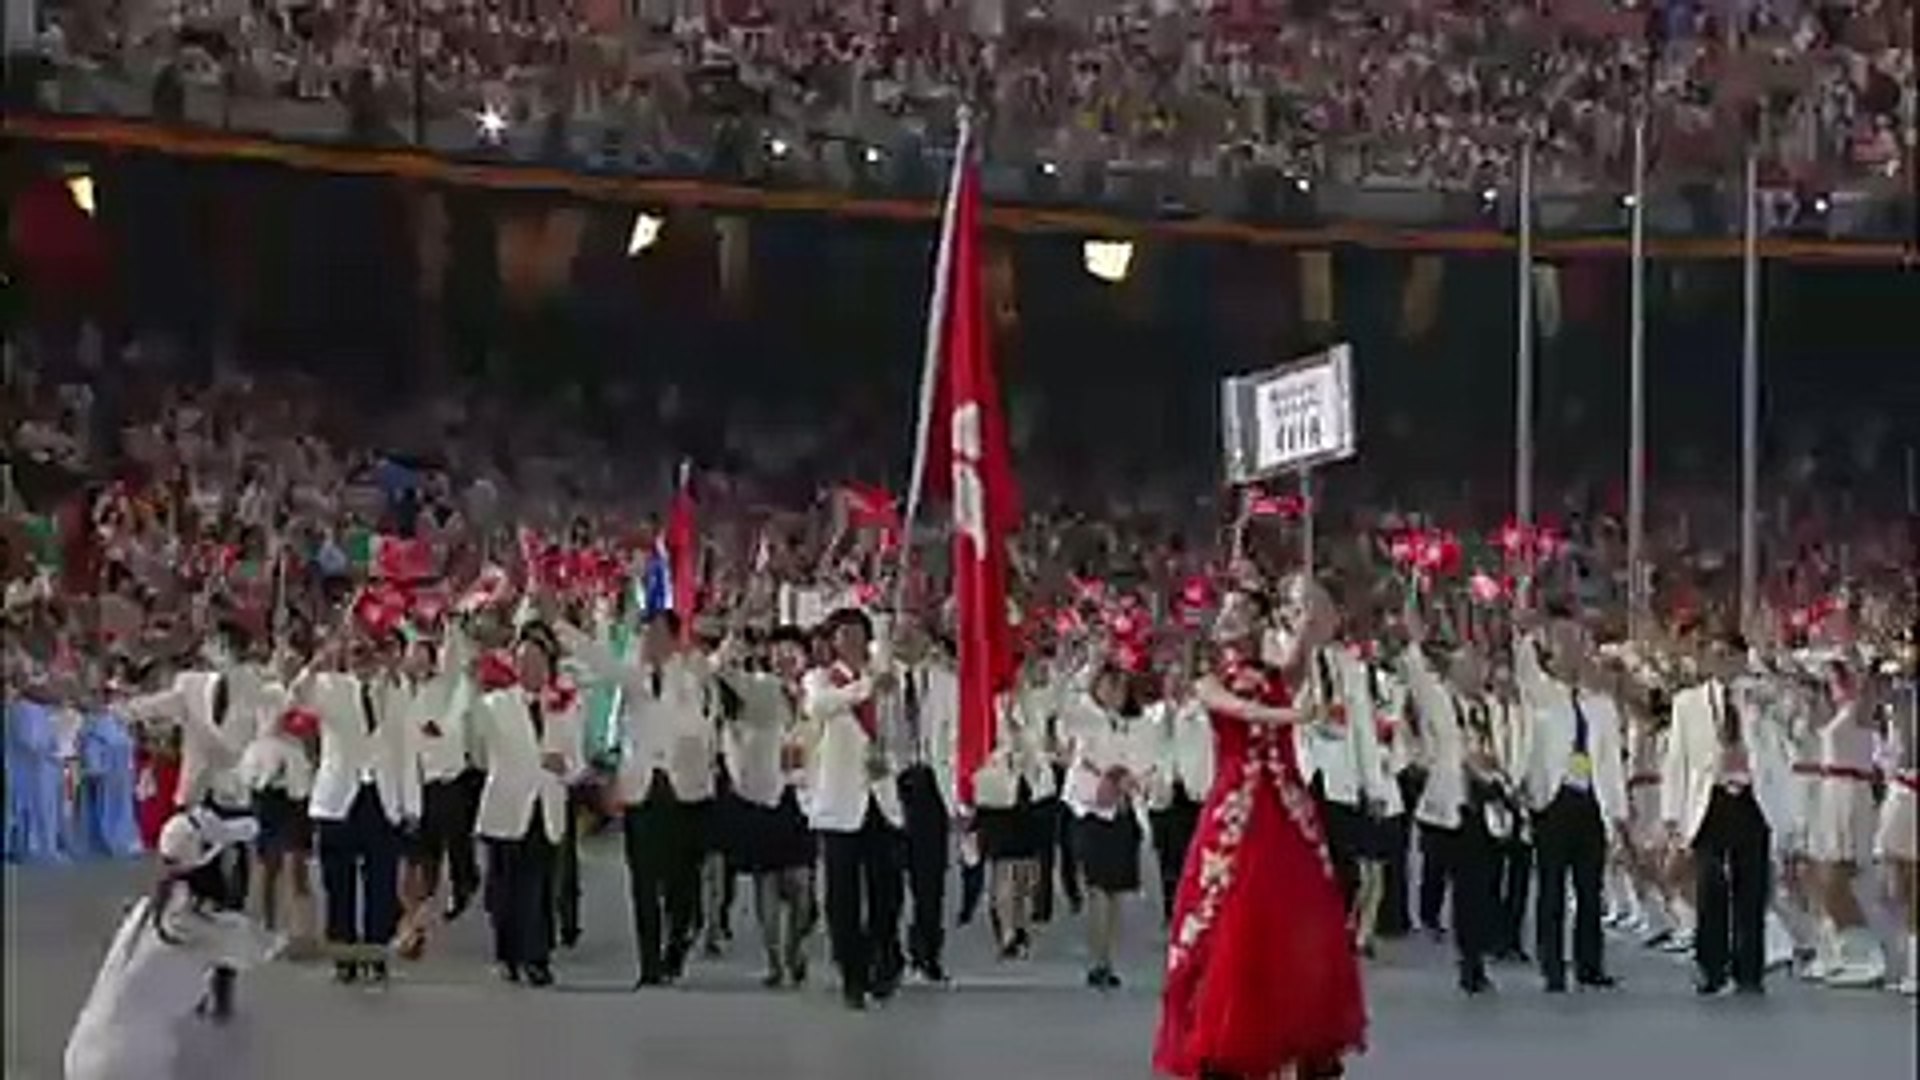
(448, 1018)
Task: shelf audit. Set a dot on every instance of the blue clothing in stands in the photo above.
(104, 815)
(35, 783)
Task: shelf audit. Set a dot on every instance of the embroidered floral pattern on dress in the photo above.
(1216, 870)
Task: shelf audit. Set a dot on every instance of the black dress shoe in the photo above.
(1750, 989)
(539, 975)
(934, 972)
(509, 973)
(1556, 984)
(854, 998)
(457, 905)
(774, 979)
(346, 972)
(1706, 987)
(1598, 981)
(884, 988)
(1475, 983)
(570, 937)
(650, 978)
(376, 972)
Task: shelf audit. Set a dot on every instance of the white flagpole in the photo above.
(1637, 386)
(1750, 397)
(1523, 362)
(930, 359)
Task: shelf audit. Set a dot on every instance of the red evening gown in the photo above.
(1261, 973)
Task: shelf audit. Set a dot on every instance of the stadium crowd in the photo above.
(1416, 91)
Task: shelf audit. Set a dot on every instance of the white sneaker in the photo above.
(1814, 967)
(1678, 945)
(1856, 976)
(1907, 987)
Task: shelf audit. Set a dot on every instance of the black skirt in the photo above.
(1109, 851)
(284, 825)
(1013, 832)
(766, 839)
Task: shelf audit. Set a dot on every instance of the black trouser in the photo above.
(1733, 873)
(1059, 856)
(565, 879)
(1474, 867)
(1395, 911)
(360, 868)
(223, 883)
(448, 810)
(1513, 885)
(519, 896)
(1436, 867)
(1342, 824)
(927, 846)
(1570, 841)
(863, 902)
(663, 877)
(1173, 830)
(973, 885)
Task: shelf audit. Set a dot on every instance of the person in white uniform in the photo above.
(156, 975)
(533, 742)
(1895, 843)
(1109, 751)
(1724, 783)
(1841, 818)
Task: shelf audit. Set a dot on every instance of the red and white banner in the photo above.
(963, 452)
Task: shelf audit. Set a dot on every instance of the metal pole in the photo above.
(1307, 512)
(419, 81)
(1523, 362)
(1750, 399)
(1637, 387)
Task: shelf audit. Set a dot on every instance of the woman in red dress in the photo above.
(1262, 981)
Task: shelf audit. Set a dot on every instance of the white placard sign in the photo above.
(1289, 418)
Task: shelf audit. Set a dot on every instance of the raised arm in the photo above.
(820, 698)
(1217, 698)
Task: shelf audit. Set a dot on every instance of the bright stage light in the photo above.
(645, 234)
(493, 125)
(777, 147)
(1108, 260)
(80, 186)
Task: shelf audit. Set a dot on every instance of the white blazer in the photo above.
(937, 745)
(1019, 753)
(1345, 757)
(669, 733)
(1182, 746)
(842, 786)
(442, 701)
(147, 989)
(768, 728)
(350, 756)
(275, 759)
(1442, 743)
(1691, 767)
(518, 784)
(210, 747)
(1551, 726)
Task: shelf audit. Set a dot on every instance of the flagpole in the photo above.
(1306, 520)
(1523, 361)
(1750, 396)
(1637, 386)
(930, 356)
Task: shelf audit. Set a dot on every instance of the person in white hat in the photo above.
(155, 978)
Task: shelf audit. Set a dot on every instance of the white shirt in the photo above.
(931, 740)
(352, 756)
(519, 785)
(1443, 742)
(767, 730)
(436, 711)
(1101, 741)
(1694, 763)
(664, 724)
(1552, 724)
(1344, 756)
(1182, 748)
(210, 745)
(852, 769)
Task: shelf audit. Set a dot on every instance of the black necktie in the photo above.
(1729, 720)
(538, 716)
(222, 700)
(658, 683)
(1580, 733)
(366, 708)
(1326, 679)
(913, 708)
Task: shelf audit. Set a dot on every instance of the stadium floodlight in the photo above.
(493, 123)
(80, 186)
(1108, 260)
(645, 234)
(777, 147)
